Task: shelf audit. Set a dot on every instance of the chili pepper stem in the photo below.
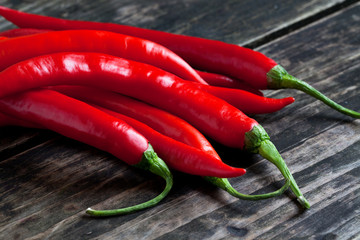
(258, 141)
(269, 151)
(150, 161)
(224, 184)
(278, 78)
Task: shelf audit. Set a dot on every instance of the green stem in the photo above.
(150, 161)
(278, 78)
(258, 141)
(224, 184)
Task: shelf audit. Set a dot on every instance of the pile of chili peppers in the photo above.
(133, 92)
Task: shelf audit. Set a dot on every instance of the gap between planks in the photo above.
(280, 32)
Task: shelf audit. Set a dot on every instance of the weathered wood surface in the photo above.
(48, 180)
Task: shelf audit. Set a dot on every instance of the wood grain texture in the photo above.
(48, 180)
(232, 21)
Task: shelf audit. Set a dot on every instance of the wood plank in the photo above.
(48, 183)
(240, 22)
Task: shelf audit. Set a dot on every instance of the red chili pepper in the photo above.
(95, 41)
(104, 42)
(209, 114)
(219, 80)
(177, 155)
(158, 141)
(50, 109)
(139, 113)
(47, 102)
(161, 121)
(79, 121)
(130, 78)
(211, 78)
(247, 102)
(210, 55)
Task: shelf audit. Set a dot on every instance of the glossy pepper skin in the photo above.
(245, 101)
(169, 146)
(161, 128)
(55, 111)
(95, 41)
(241, 63)
(79, 121)
(154, 124)
(209, 77)
(203, 54)
(159, 141)
(159, 120)
(249, 103)
(211, 115)
(76, 120)
(207, 113)
(181, 156)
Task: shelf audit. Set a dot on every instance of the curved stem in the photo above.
(269, 152)
(224, 184)
(258, 141)
(278, 78)
(150, 161)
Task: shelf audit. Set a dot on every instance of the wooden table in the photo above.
(48, 180)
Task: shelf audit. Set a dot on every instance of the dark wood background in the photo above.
(48, 180)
